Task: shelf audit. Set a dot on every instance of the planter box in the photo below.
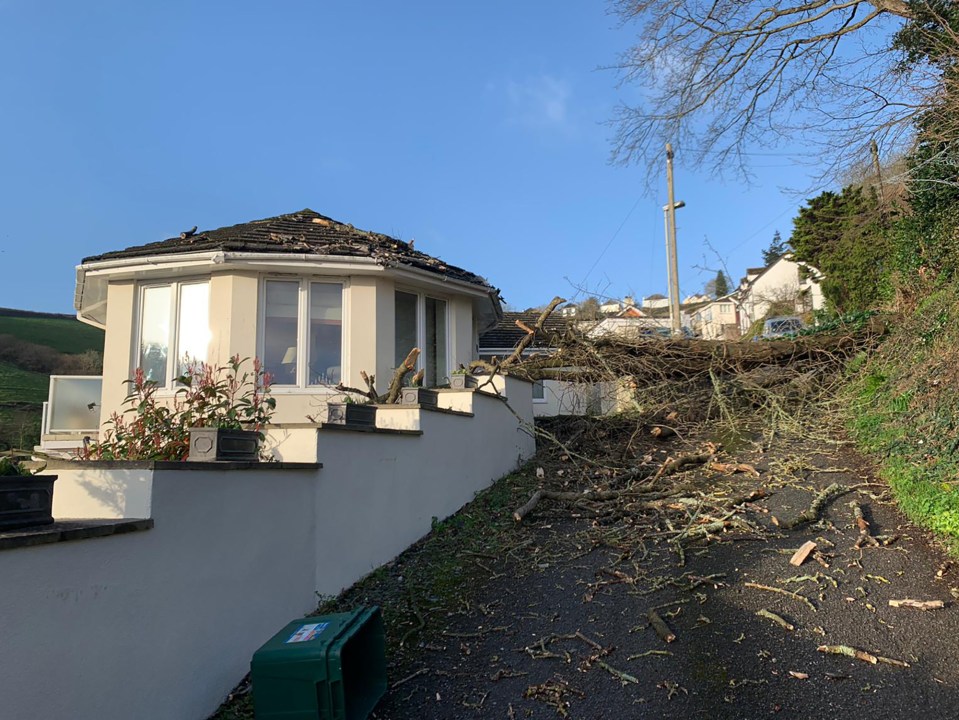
(419, 396)
(26, 501)
(351, 414)
(219, 444)
(462, 382)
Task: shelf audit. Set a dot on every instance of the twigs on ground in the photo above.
(788, 593)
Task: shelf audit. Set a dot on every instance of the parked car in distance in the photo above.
(779, 326)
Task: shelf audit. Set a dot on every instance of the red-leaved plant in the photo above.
(154, 428)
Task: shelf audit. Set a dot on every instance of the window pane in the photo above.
(405, 326)
(539, 391)
(326, 333)
(279, 331)
(193, 324)
(435, 361)
(155, 333)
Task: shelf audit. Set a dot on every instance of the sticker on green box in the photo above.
(305, 633)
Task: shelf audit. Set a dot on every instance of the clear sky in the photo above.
(477, 129)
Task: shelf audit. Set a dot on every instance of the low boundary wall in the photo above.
(161, 623)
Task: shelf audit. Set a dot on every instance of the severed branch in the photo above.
(819, 503)
(405, 368)
(660, 626)
(525, 342)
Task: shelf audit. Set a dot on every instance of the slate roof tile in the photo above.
(307, 232)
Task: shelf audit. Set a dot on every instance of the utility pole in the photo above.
(672, 260)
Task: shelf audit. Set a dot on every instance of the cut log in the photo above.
(660, 626)
(799, 557)
(918, 604)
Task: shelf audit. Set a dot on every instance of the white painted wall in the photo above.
(158, 624)
(161, 624)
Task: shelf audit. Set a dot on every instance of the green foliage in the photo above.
(11, 467)
(62, 334)
(846, 236)
(825, 322)
(777, 248)
(904, 409)
(207, 397)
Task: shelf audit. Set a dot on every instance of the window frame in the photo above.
(541, 383)
(304, 283)
(421, 296)
(173, 338)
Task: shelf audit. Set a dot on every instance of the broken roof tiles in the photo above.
(307, 232)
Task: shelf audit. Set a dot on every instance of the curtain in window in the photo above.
(405, 326)
(326, 333)
(435, 360)
(155, 310)
(280, 331)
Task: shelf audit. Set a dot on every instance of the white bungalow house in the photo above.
(319, 301)
(717, 319)
(786, 287)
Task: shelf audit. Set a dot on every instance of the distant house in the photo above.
(319, 301)
(717, 319)
(787, 287)
(655, 301)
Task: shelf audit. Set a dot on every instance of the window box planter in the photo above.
(419, 396)
(26, 501)
(462, 381)
(351, 414)
(222, 444)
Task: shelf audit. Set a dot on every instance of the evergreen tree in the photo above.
(722, 284)
(777, 248)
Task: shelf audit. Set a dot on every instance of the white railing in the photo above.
(73, 405)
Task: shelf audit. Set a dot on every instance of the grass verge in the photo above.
(904, 406)
(429, 580)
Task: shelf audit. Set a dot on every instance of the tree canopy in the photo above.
(845, 236)
(718, 78)
(777, 248)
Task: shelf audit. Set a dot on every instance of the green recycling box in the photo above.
(327, 667)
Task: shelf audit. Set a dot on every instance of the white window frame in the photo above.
(303, 329)
(173, 348)
(542, 384)
(421, 297)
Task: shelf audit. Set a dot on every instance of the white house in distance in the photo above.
(317, 300)
(717, 319)
(789, 285)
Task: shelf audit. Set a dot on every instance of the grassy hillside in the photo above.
(905, 411)
(22, 386)
(63, 333)
(22, 389)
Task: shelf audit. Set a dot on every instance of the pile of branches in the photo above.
(695, 372)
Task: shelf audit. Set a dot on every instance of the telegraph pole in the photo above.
(672, 260)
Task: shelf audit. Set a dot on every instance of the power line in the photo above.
(592, 267)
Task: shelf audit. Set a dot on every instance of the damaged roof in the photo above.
(307, 232)
(506, 333)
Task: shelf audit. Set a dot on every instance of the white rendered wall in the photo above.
(394, 485)
(159, 624)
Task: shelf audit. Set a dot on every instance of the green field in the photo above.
(22, 386)
(63, 334)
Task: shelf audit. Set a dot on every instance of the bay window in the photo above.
(173, 329)
(421, 321)
(302, 332)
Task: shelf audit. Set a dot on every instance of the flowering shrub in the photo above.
(208, 396)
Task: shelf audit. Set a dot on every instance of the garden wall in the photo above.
(161, 623)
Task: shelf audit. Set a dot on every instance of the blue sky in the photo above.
(478, 130)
